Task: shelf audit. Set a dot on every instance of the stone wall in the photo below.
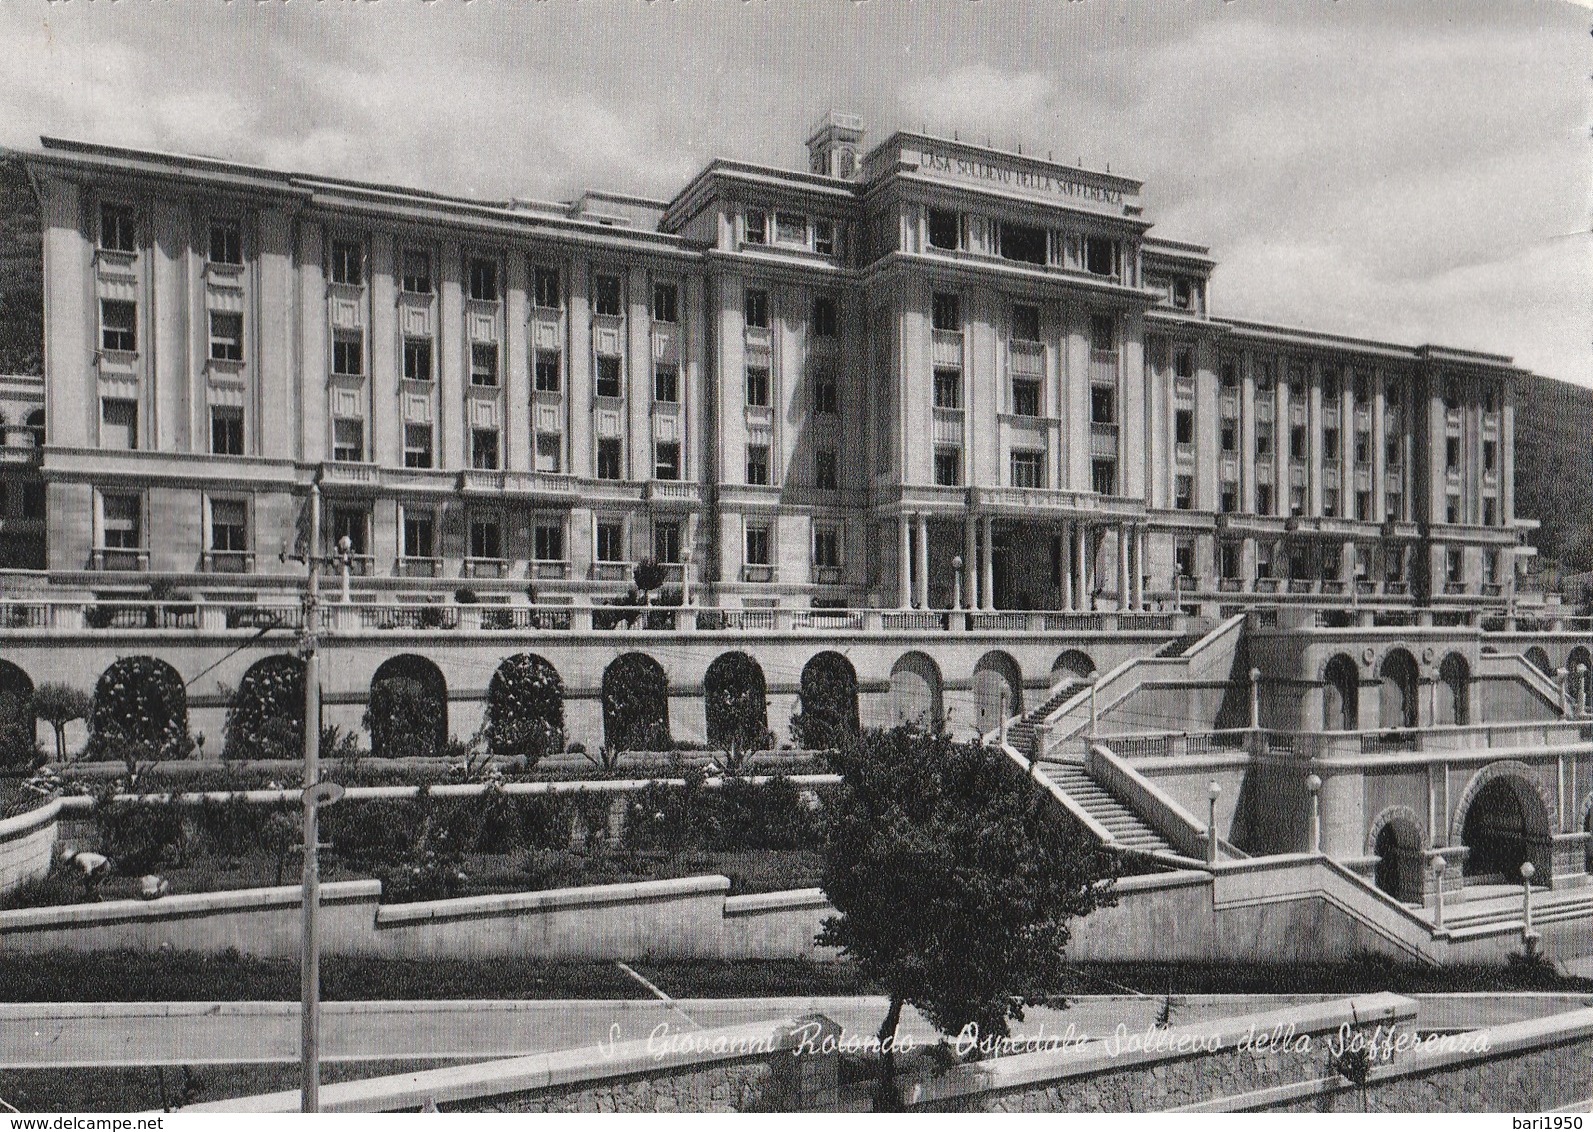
(27, 844)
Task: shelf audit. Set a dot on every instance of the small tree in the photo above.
(525, 708)
(59, 705)
(954, 877)
(402, 718)
(648, 576)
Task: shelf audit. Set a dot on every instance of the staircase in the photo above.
(1021, 735)
(1125, 826)
(1180, 645)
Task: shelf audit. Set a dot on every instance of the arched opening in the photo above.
(266, 717)
(1454, 690)
(1399, 860)
(1341, 695)
(140, 709)
(827, 702)
(525, 708)
(998, 690)
(636, 704)
(408, 711)
(1074, 666)
(915, 690)
(737, 703)
(1398, 676)
(1540, 660)
(35, 423)
(1506, 824)
(18, 724)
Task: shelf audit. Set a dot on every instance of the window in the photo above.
(1100, 255)
(666, 542)
(948, 389)
(1228, 374)
(758, 464)
(545, 288)
(351, 523)
(1490, 512)
(755, 308)
(1024, 244)
(1396, 505)
(417, 446)
(1452, 453)
(1395, 452)
(666, 460)
(758, 385)
(550, 452)
(226, 430)
(229, 525)
(1263, 438)
(1330, 502)
(608, 378)
(1296, 500)
(1184, 492)
(666, 383)
(1363, 506)
(486, 537)
(1263, 499)
(348, 440)
(1028, 468)
(118, 423)
(118, 229)
(1330, 444)
(1228, 500)
(1183, 365)
(1184, 426)
(1228, 558)
(1453, 565)
(1263, 560)
(1184, 558)
(944, 229)
(826, 470)
(123, 522)
(1330, 385)
(1362, 385)
(1452, 509)
(348, 263)
(610, 541)
(1103, 333)
(1025, 397)
(758, 546)
(417, 359)
(417, 272)
(1230, 436)
(483, 363)
(419, 535)
(1363, 447)
(1297, 442)
(755, 226)
(226, 242)
(1451, 394)
(666, 302)
(548, 378)
(824, 321)
(118, 325)
(1183, 293)
(1490, 567)
(606, 295)
(948, 467)
(484, 448)
(1026, 322)
(484, 280)
(827, 547)
(547, 541)
(1490, 456)
(33, 501)
(824, 237)
(608, 459)
(1103, 476)
(790, 228)
(348, 353)
(1103, 405)
(826, 393)
(946, 312)
(226, 337)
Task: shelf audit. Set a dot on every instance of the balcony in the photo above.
(948, 426)
(1365, 587)
(1103, 366)
(1103, 439)
(758, 573)
(827, 575)
(1454, 588)
(1026, 359)
(118, 558)
(417, 567)
(1302, 585)
(344, 473)
(611, 571)
(227, 562)
(1231, 585)
(1400, 529)
(20, 444)
(1024, 501)
(1333, 586)
(1268, 585)
(484, 568)
(1396, 588)
(1492, 589)
(946, 348)
(550, 570)
(684, 492)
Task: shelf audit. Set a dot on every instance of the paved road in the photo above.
(84, 1034)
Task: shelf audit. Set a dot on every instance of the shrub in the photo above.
(769, 815)
(265, 719)
(736, 703)
(636, 704)
(139, 701)
(138, 837)
(59, 705)
(525, 709)
(370, 834)
(827, 699)
(402, 718)
(464, 595)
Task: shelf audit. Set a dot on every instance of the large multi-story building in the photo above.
(927, 375)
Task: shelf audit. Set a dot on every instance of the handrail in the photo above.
(1142, 796)
(1522, 669)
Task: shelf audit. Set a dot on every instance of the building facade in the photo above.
(925, 375)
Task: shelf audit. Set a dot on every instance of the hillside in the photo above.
(21, 273)
(1554, 469)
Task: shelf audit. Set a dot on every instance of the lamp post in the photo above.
(1213, 792)
(685, 578)
(1313, 783)
(1439, 865)
(1255, 699)
(1529, 938)
(1095, 718)
(956, 581)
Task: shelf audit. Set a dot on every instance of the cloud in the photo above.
(978, 100)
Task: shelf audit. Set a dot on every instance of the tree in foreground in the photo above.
(955, 878)
(59, 705)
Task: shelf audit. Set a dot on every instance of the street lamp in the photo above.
(956, 581)
(1214, 791)
(1313, 783)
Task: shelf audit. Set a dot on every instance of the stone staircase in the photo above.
(1180, 645)
(1125, 826)
(1021, 735)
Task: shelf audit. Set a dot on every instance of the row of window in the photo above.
(819, 234)
(949, 230)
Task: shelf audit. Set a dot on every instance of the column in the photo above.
(904, 564)
(1082, 576)
(1067, 567)
(1122, 566)
(1144, 564)
(1090, 547)
(1347, 565)
(970, 564)
(923, 561)
(987, 584)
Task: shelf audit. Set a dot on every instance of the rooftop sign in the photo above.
(1078, 187)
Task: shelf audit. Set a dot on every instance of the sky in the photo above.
(1412, 172)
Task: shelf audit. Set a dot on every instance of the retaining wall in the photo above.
(27, 845)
